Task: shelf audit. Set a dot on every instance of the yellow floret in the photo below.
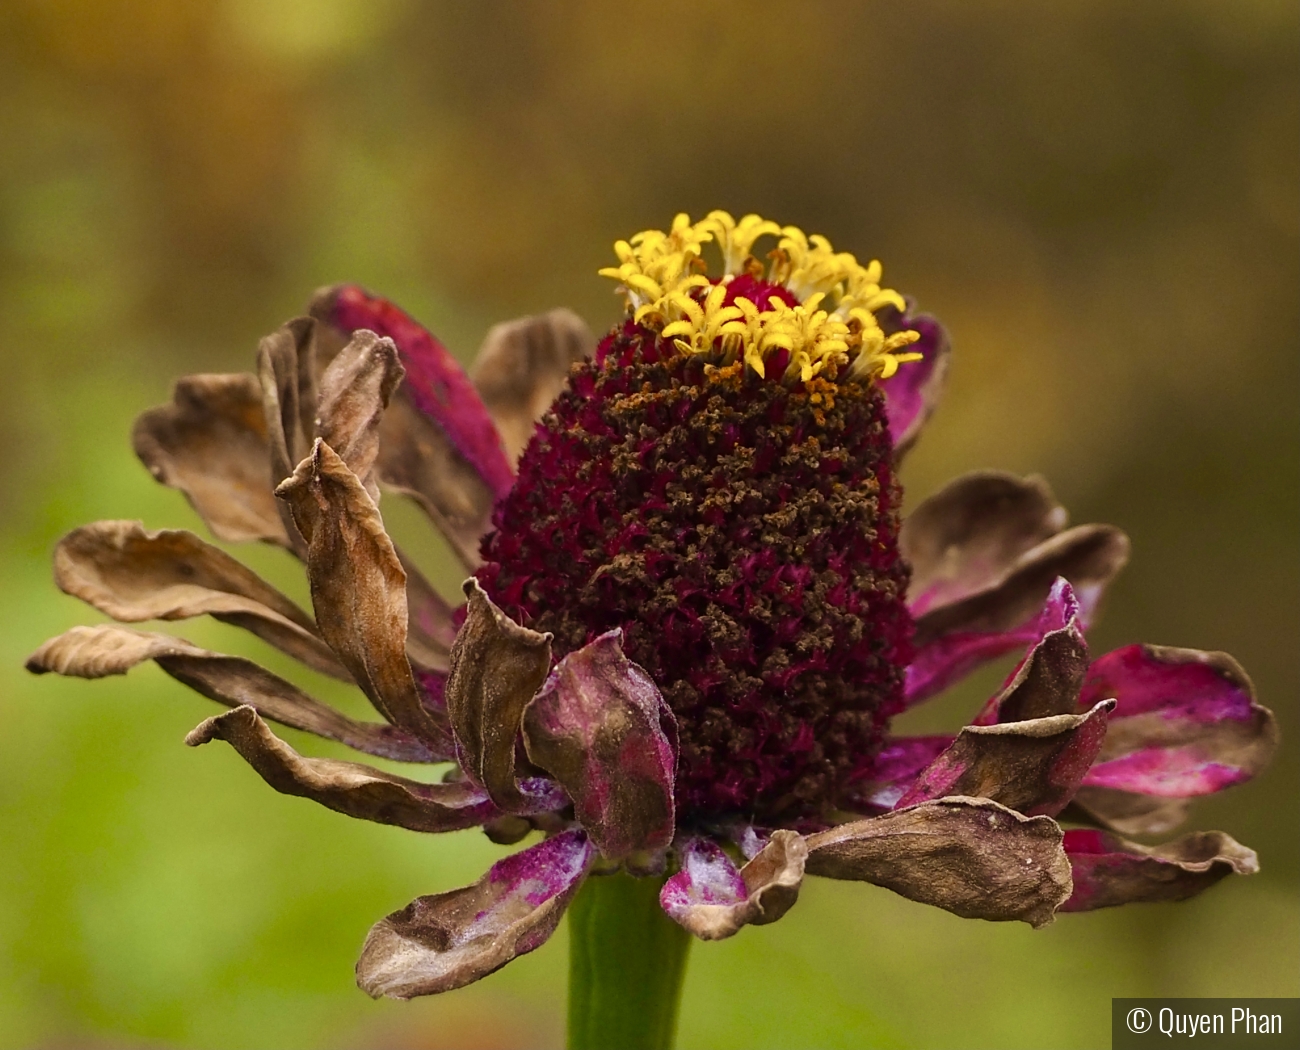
(664, 279)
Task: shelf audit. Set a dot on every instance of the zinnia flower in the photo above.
(694, 610)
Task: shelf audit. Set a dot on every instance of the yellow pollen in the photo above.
(832, 331)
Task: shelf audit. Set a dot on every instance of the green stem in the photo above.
(626, 963)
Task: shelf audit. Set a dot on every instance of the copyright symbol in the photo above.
(1139, 1020)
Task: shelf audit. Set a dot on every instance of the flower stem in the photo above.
(626, 963)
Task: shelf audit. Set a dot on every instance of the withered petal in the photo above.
(358, 587)
(355, 390)
(346, 787)
(133, 575)
(713, 900)
(286, 369)
(522, 366)
(448, 940)
(430, 626)
(1109, 870)
(94, 652)
(497, 667)
(969, 535)
(437, 442)
(970, 856)
(1089, 556)
(210, 443)
(1125, 812)
(1033, 766)
(596, 727)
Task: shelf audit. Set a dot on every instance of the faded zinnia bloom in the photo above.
(694, 609)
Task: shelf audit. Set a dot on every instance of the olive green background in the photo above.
(1099, 198)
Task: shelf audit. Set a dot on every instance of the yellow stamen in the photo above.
(667, 288)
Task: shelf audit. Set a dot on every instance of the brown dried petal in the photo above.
(1109, 871)
(346, 787)
(497, 666)
(134, 575)
(1125, 812)
(1089, 556)
(93, 652)
(521, 368)
(286, 369)
(430, 629)
(448, 940)
(969, 535)
(1033, 766)
(712, 900)
(970, 856)
(358, 587)
(354, 392)
(210, 443)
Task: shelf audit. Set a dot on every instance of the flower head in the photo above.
(694, 610)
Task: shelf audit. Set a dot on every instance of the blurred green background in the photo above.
(1099, 198)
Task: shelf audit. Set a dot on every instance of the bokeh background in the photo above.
(1098, 197)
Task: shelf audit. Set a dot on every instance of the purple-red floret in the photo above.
(744, 537)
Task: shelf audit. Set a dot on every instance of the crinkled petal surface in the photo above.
(1033, 767)
(596, 726)
(358, 587)
(713, 900)
(1109, 870)
(347, 787)
(970, 856)
(355, 390)
(448, 940)
(286, 369)
(133, 575)
(211, 444)
(522, 367)
(93, 652)
(497, 667)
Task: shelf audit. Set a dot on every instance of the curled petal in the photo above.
(497, 667)
(596, 727)
(970, 856)
(358, 587)
(971, 533)
(1109, 870)
(1047, 681)
(286, 369)
(134, 575)
(448, 940)
(346, 787)
(950, 657)
(93, 652)
(437, 442)
(1125, 812)
(912, 392)
(430, 627)
(713, 900)
(1033, 767)
(354, 392)
(1187, 722)
(1089, 556)
(522, 367)
(211, 444)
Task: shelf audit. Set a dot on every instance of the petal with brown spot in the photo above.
(523, 365)
(210, 443)
(448, 940)
(94, 652)
(713, 900)
(596, 726)
(970, 856)
(346, 787)
(1109, 870)
(497, 666)
(133, 575)
(358, 587)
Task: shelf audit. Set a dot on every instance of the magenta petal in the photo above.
(912, 392)
(951, 657)
(437, 384)
(448, 940)
(1108, 870)
(707, 876)
(878, 784)
(597, 726)
(1186, 722)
